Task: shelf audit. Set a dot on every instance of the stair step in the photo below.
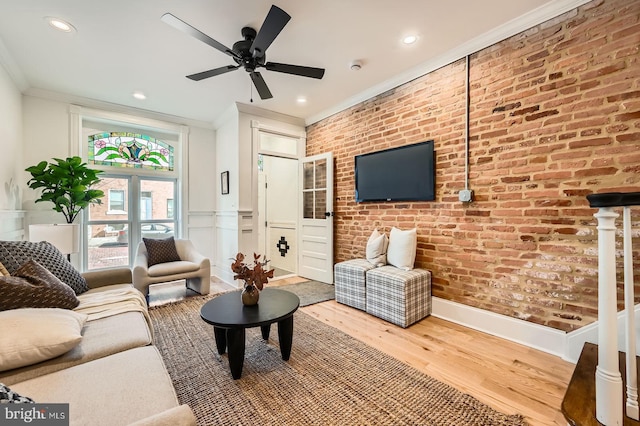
(579, 403)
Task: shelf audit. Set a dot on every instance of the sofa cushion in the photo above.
(7, 396)
(32, 335)
(32, 286)
(402, 248)
(376, 251)
(101, 338)
(161, 250)
(122, 388)
(15, 253)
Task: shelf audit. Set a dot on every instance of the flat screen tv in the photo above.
(406, 173)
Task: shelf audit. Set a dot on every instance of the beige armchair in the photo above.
(193, 267)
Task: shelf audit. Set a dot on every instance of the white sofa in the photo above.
(114, 375)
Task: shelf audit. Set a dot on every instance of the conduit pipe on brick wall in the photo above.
(466, 195)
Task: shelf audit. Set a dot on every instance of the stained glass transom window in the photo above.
(123, 149)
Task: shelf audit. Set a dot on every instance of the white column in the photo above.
(629, 293)
(608, 378)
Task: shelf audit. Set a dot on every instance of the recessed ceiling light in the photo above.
(139, 95)
(410, 39)
(60, 24)
(301, 100)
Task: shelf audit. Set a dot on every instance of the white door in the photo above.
(315, 258)
(262, 213)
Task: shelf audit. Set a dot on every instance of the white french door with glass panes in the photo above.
(135, 207)
(315, 258)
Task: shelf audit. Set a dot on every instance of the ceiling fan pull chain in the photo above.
(251, 91)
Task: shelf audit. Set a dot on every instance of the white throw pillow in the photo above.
(377, 248)
(402, 248)
(33, 335)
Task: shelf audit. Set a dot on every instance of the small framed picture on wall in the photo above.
(224, 182)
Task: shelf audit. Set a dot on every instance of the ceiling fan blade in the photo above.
(193, 32)
(274, 23)
(211, 73)
(261, 86)
(295, 70)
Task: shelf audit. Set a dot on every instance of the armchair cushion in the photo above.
(170, 268)
(32, 286)
(161, 250)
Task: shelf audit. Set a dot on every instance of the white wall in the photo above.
(46, 128)
(201, 188)
(46, 136)
(11, 136)
(236, 213)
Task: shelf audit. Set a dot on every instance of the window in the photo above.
(127, 149)
(116, 202)
(169, 208)
(140, 161)
(113, 235)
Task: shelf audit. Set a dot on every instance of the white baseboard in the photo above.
(568, 346)
(526, 333)
(589, 333)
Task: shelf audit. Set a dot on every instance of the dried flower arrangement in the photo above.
(256, 276)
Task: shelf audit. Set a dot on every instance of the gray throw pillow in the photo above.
(161, 250)
(14, 254)
(32, 286)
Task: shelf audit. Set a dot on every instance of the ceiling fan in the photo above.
(250, 52)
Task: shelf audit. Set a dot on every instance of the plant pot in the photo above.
(250, 296)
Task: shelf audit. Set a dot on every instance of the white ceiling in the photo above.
(122, 45)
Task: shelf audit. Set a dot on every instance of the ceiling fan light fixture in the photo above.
(60, 24)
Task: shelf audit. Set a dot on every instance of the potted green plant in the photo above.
(67, 184)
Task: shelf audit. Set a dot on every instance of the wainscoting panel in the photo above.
(12, 225)
(200, 230)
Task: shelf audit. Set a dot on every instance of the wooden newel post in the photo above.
(608, 378)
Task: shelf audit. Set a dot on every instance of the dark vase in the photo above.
(250, 295)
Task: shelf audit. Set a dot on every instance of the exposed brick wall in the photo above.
(554, 116)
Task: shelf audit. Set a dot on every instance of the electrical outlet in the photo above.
(466, 195)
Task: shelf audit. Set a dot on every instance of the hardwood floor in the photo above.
(509, 377)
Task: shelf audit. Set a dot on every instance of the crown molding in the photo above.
(529, 20)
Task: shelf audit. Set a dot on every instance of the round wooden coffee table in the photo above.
(230, 318)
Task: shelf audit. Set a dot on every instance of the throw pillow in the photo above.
(32, 286)
(14, 254)
(402, 248)
(7, 396)
(161, 250)
(3, 270)
(377, 248)
(33, 335)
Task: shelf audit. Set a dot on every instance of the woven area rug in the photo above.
(330, 379)
(311, 292)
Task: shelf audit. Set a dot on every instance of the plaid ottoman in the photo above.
(350, 282)
(398, 296)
